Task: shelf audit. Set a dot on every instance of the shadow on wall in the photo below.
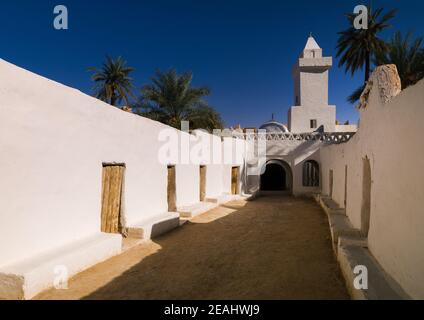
(271, 248)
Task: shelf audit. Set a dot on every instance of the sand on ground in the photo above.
(272, 248)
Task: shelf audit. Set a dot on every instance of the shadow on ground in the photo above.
(272, 248)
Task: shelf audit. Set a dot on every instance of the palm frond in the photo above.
(170, 98)
(112, 81)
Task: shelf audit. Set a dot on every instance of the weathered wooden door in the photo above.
(234, 180)
(113, 177)
(172, 189)
(331, 183)
(202, 183)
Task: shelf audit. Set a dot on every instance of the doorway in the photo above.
(172, 189)
(366, 196)
(331, 184)
(202, 186)
(112, 185)
(345, 188)
(274, 178)
(235, 180)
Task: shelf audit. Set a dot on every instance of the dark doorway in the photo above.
(366, 196)
(274, 178)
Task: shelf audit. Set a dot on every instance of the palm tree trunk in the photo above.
(113, 99)
(367, 67)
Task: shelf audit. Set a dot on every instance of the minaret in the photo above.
(311, 111)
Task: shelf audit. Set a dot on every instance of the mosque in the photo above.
(293, 149)
(310, 111)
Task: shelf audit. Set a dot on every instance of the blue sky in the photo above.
(242, 50)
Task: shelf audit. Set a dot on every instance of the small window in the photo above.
(297, 101)
(314, 124)
(311, 174)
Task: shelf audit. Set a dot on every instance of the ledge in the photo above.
(196, 209)
(380, 285)
(351, 250)
(26, 279)
(224, 198)
(154, 227)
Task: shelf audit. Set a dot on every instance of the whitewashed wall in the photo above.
(390, 136)
(53, 141)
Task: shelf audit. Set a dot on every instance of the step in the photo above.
(340, 226)
(380, 285)
(224, 198)
(330, 206)
(26, 279)
(353, 241)
(155, 226)
(339, 223)
(196, 209)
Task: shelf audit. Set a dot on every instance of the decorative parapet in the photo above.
(328, 137)
(388, 83)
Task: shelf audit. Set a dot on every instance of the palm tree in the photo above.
(112, 81)
(408, 56)
(171, 99)
(357, 47)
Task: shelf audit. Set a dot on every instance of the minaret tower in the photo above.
(311, 111)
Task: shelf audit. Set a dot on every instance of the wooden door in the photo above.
(234, 180)
(331, 184)
(202, 183)
(113, 177)
(172, 189)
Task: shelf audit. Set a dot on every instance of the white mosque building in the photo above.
(293, 151)
(310, 111)
(73, 182)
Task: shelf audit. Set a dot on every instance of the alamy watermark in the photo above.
(361, 20)
(60, 21)
(360, 282)
(60, 281)
(224, 147)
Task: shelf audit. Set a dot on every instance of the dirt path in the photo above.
(270, 248)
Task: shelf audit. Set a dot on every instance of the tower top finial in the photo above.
(310, 34)
(311, 44)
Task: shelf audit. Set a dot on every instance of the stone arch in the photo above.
(276, 176)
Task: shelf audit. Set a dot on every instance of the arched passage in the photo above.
(276, 176)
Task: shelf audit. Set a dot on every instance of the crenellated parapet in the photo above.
(328, 137)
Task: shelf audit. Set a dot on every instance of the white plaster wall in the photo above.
(188, 184)
(390, 136)
(300, 117)
(346, 128)
(314, 88)
(53, 141)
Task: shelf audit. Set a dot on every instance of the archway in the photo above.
(276, 176)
